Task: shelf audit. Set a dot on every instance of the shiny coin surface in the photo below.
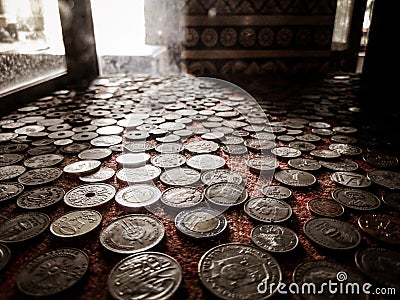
(182, 197)
(138, 195)
(332, 233)
(304, 164)
(226, 194)
(103, 174)
(340, 165)
(392, 199)
(52, 272)
(163, 269)
(89, 195)
(168, 160)
(380, 160)
(5, 255)
(268, 210)
(221, 271)
(234, 149)
(356, 199)
(7, 159)
(381, 226)
(95, 154)
(346, 149)
(139, 146)
(325, 207)
(274, 238)
(276, 191)
(351, 179)
(138, 175)
(286, 152)
(343, 139)
(262, 164)
(75, 223)
(325, 153)
(201, 147)
(386, 179)
(132, 233)
(23, 227)
(258, 146)
(169, 148)
(180, 177)
(40, 176)
(11, 172)
(10, 190)
(200, 222)
(132, 160)
(296, 178)
(205, 162)
(82, 167)
(106, 140)
(40, 197)
(43, 161)
(220, 175)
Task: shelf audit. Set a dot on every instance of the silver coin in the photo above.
(386, 179)
(75, 148)
(138, 195)
(205, 162)
(156, 267)
(221, 175)
(10, 190)
(257, 145)
(180, 177)
(139, 146)
(296, 178)
(325, 153)
(286, 152)
(43, 161)
(200, 222)
(274, 238)
(234, 149)
(40, 176)
(132, 160)
(169, 148)
(201, 147)
(268, 210)
(308, 137)
(52, 272)
(182, 197)
(40, 150)
(23, 227)
(343, 139)
(221, 271)
(346, 149)
(84, 136)
(83, 167)
(226, 194)
(7, 159)
(356, 199)
(138, 175)
(102, 174)
(342, 165)
(276, 191)
(302, 146)
(7, 136)
(132, 233)
(345, 129)
(95, 154)
(40, 197)
(110, 130)
(106, 140)
(262, 164)
(89, 195)
(380, 160)
(168, 160)
(304, 164)
(332, 233)
(13, 148)
(11, 172)
(351, 179)
(5, 255)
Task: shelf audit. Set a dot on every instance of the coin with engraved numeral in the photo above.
(23, 227)
(10, 190)
(221, 175)
(222, 272)
(200, 222)
(75, 223)
(89, 195)
(332, 233)
(356, 199)
(387, 179)
(295, 178)
(351, 179)
(40, 176)
(182, 197)
(155, 268)
(132, 233)
(325, 207)
(381, 226)
(268, 210)
(180, 177)
(274, 238)
(5, 255)
(40, 197)
(52, 272)
(138, 175)
(138, 195)
(226, 194)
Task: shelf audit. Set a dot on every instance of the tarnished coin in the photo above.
(332, 233)
(52, 272)
(200, 222)
(325, 153)
(356, 199)
(95, 154)
(43, 161)
(304, 164)
(340, 165)
(380, 160)
(346, 149)
(308, 137)
(169, 148)
(262, 164)
(345, 129)
(387, 179)
(138, 195)
(102, 174)
(221, 175)
(180, 177)
(296, 178)
(205, 162)
(302, 146)
(76, 223)
(40, 197)
(226, 194)
(182, 197)
(74, 148)
(325, 207)
(276, 191)
(132, 160)
(5, 255)
(11, 172)
(274, 238)
(23, 227)
(10, 190)
(7, 159)
(138, 175)
(286, 152)
(13, 148)
(83, 167)
(351, 179)
(40, 176)
(40, 150)
(268, 210)
(132, 233)
(89, 195)
(381, 226)
(380, 264)
(7, 136)
(201, 147)
(392, 199)
(221, 271)
(125, 282)
(168, 160)
(343, 139)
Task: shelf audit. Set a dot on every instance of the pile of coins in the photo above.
(135, 160)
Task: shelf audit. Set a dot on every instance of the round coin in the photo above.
(346, 149)
(201, 147)
(182, 197)
(325, 207)
(11, 172)
(10, 190)
(82, 167)
(138, 175)
(351, 179)
(340, 165)
(274, 238)
(380, 160)
(382, 226)
(102, 174)
(304, 164)
(325, 153)
(180, 177)
(296, 178)
(262, 164)
(132, 160)
(43, 161)
(226, 194)
(356, 199)
(203, 162)
(286, 152)
(5, 255)
(7, 159)
(387, 179)
(276, 191)
(40, 176)
(89, 195)
(138, 195)
(168, 160)
(268, 210)
(40, 197)
(94, 154)
(221, 175)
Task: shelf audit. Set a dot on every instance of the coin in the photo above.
(387, 179)
(182, 197)
(106, 140)
(205, 162)
(138, 175)
(13, 148)
(346, 149)
(132, 160)
(23, 227)
(163, 269)
(382, 226)
(308, 137)
(286, 152)
(325, 153)
(102, 174)
(343, 139)
(325, 207)
(257, 145)
(295, 178)
(341, 165)
(356, 199)
(94, 154)
(351, 179)
(40, 197)
(89, 195)
(43, 161)
(201, 147)
(40, 176)
(52, 272)
(268, 210)
(302, 146)
(10, 190)
(139, 146)
(40, 150)
(304, 164)
(132, 233)
(11, 172)
(83, 167)
(392, 199)
(180, 177)
(221, 271)
(5, 255)
(74, 148)
(234, 149)
(7, 159)
(332, 233)
(380, 160)
(169, 148)
(138, 195)
(75, 223)
(168, 160)
(226, 194)
(200, 222)
(262, 164)
(345, 129)
(276, 191)
(274, 238)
